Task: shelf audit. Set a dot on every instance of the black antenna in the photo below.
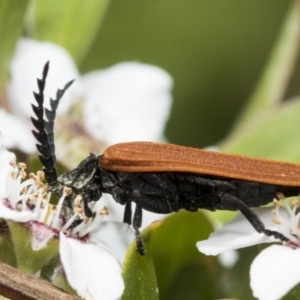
(44, 134)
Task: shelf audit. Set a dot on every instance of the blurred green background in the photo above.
(214, 50)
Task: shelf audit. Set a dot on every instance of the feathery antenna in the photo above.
(44, 134)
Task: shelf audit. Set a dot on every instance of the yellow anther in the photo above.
(22, 165)
(276, 221)
(280, 196)
(104, 211)
(67, 191)
(33, 197)
(12, 163)
(23, 174)
(78, 209)
(41, 175)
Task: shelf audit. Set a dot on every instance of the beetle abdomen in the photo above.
(165, 192)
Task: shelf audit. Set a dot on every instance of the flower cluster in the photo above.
(25, 206)
(129, 101)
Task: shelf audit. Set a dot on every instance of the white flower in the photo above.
(277, 262)
(279, 265)
(93, 265)
(127, 102)
(95, 268)
(91, 261)
(27, 63)
(17, 133)
(26, 201)
(91, 270)
(14, 193)
(26, 66)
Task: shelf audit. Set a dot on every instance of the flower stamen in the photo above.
(288, 225)
(55, 223)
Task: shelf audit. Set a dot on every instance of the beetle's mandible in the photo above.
(163, 178)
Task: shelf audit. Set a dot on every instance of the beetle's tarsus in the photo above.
(137, 223)
(139, 243)
(276, 235)
(253, 218)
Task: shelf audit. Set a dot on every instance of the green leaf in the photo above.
(293, 294)
(47, 272)
(30, 261)
(59, 279)
(71, 24)
(236, 280)
(272, 135)
(194, 281)
(138, 270)
(7, 255)
(174, 246)
(11, 21)
(222, 216)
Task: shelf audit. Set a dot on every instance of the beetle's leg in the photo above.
(137, 222)
(87, 210)
(251, 217)
(68, 206)
(127, 213)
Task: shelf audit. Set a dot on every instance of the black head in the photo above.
(82, 176)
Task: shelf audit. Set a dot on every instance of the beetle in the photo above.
(163, 178)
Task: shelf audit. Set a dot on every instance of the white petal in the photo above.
(228, 258)
(274, 272)
(27, 65)
(91, 269)
(238, 233)
(9, 214)
(16, 132)
(41, 235)
(5, 158)
(129, 101)
(116, 236)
